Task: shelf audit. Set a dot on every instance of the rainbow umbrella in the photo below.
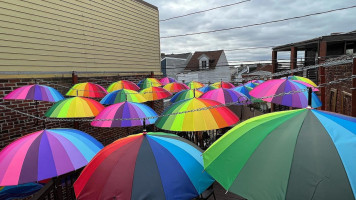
(119, 85)
(250, 84)
(307, 85)
(207, 88)
(186, 94)
(149, 82)
(225, 96)
(253, 99)
(75, 107)
(256, 81)
(279, 86)
(87, 90)
(196, 115)
(175, 87)
(242, 89)
(195, 85)
(303, 79)
(133, 112)
(35, 92)
(295, 154)
(166, 80)
(45, 154)
(223, 84)
(123, 95)
(145, 166)
(19, 191)
(155, 93)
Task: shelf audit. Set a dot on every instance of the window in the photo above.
(203, 64)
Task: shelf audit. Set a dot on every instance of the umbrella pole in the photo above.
(310, 91)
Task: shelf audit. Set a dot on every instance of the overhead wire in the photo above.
(259, 24)
(202, 11)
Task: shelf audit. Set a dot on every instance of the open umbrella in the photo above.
(35, 92)
(175, 87)
(145, 166)
(207, 88)
(87, 89)
(251, 84)
(223, 84)
(225, 96)
(195, 85)
(296, 154)
(19, 191)
(122, 95)
(166, 80)
(196, 115)
(125, 110)
(186, 94)
(119, 85)
(242, 89)
(253, 99)
(155, 93)
(279, 86)
(149, 82)
(45, 154)
(303, 79)
(75, 107)
(256, 81)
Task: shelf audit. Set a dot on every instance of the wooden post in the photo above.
(274, 69)
(293, 59)
(353, 90)
(322, 57)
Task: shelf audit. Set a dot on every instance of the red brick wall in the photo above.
(14, 125)
(335, 73)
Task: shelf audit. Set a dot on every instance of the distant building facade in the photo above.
(206, 66)
(341, 97)
(57, 37)
(173, 64)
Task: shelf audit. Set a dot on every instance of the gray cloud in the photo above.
(255, 11)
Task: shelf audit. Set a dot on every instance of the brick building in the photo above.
(340, 97)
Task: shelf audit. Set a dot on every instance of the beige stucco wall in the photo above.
(78, 35)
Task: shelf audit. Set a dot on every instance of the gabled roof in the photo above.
(213, 56)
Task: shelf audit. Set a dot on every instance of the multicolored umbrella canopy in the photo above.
(242, 89)
(145, 166)
(123, 95)
(196, 115)
(155, 93)
(225, 96)
(87, 89)
(119, 85)
(125, 110)
(195, 84)
(149, 82)
(35, 92)
(46, 154)
(307, 85)
(253, 99)
(256, 81)
(250, 84)
(207, 88)
(296, 154)
(19, 191)
(278, 86)
(300, 78)
(75, 107)
(175, 87)
(223, 84)
(186, 94)
(166, 80)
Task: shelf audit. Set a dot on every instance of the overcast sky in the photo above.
(254, 11)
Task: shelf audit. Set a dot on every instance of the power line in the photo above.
(197, 12)
(259, 24)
